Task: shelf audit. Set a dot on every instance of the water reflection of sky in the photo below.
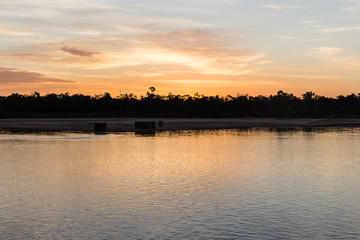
(246, 184)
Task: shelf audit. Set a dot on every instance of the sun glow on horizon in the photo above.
(182, 47)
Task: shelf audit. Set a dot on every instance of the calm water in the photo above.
(251, 184)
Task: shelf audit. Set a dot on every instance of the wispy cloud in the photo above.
(335, 58)
(79, 53)
(13, 75)
(351, 8)
(188, 50)
(282, 6)
(299, 76)
(205, 51)
(329, 29)
(285, 37)
(340, 29)
(328, 50)
(309, 21)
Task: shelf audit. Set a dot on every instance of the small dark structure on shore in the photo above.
(145, 127)
(98, 127)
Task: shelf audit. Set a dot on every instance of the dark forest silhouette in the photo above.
(154, 105)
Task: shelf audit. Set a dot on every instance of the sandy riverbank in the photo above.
(127, 124)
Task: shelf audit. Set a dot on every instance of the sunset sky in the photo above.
(183, 46)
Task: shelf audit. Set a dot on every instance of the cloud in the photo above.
(330, 51)
(285, 37)
(336, 58)
(340, 29)
(300, 76)
(309, 21)
(78, 52)
(13, 75)
(327, 29)
(353, 8)
(282, 7)
(204, 50)
(181, 51)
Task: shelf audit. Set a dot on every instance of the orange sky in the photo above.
(183, 47)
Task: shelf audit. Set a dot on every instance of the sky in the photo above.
(223, 47)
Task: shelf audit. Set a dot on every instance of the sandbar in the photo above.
(169, 124)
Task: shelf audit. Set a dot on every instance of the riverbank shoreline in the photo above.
(169, 124)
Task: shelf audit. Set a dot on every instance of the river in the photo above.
(222, 184)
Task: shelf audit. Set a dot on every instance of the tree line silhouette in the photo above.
(282, 104)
